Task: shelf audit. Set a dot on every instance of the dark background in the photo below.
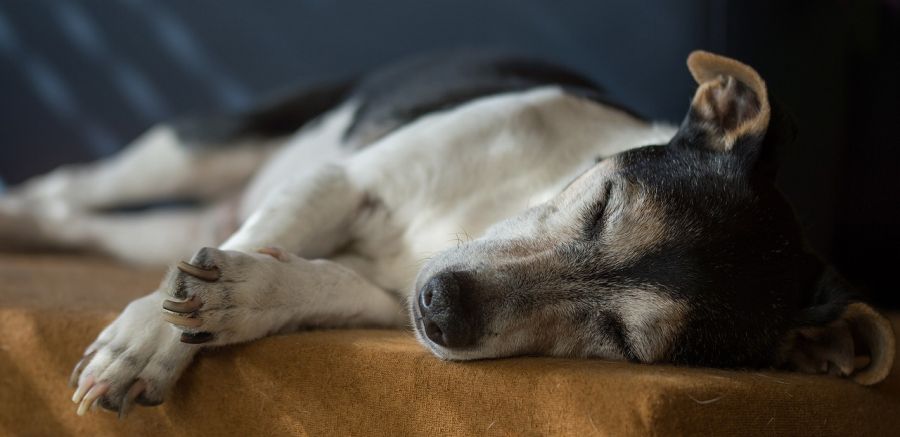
(79, 79)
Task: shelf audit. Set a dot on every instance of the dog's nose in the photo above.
(444, 318)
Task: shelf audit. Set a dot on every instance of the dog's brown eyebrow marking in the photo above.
(636, 223)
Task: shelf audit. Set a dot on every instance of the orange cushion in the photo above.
(380, 382)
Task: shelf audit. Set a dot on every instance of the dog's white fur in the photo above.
(382, 216)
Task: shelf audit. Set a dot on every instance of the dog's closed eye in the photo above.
(596, 219)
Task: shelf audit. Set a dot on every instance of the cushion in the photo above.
(381, 382)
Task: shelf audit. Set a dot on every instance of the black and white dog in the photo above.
(500, 205)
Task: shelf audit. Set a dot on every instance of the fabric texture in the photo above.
(381, 382)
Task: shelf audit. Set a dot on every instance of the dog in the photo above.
(500, 205)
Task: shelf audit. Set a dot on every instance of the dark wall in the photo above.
(80, 78)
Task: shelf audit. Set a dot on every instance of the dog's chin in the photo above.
(445, 354)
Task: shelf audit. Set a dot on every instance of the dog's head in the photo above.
(683, 252)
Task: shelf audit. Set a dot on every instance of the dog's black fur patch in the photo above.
(279, 116)
(396, 95)
(391, 97)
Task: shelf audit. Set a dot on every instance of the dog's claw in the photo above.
(179, 313)
(76, 372)
(182, 320)
(128, 401)
(92, 395)
(209, 275)
(196, 338)
(82, 389)
(186, 307)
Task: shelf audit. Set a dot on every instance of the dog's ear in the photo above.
(840, 336)
(731, 110)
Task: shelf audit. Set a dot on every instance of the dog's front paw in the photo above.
(225, 297)
(136, 359)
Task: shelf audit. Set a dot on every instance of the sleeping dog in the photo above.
(499, 205)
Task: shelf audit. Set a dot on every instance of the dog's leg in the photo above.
(251, 295)
(309, 216)
(257, 284)
(222, 297)
(156, 166)
(62, 209)
(237, 295)
(156, 237)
